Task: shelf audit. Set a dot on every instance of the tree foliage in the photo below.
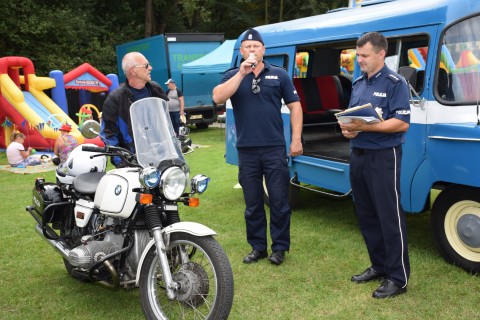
(61, 35)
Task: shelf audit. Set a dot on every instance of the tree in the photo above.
(61, 35)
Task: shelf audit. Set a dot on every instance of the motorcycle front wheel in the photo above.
(205, 281)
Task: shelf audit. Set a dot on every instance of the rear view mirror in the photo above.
(410, 74)
(90, 129)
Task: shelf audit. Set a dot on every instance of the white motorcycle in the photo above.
(122, 228)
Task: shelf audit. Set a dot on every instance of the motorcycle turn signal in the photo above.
(191, 202)
(144, 198)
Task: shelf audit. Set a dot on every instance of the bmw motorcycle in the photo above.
(122, 228)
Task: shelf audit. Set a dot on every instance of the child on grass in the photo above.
(17, 155)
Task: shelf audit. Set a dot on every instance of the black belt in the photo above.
(361, 151)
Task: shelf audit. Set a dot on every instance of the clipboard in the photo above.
(366, 113)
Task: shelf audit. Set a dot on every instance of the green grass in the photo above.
(313, 283)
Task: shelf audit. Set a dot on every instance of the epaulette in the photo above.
(393, 77)
(230, 69)
(359, 78)
(274, 65)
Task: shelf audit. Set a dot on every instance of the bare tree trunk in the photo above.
(196, 15)
(266, 11)
(280, 16)
(149, 24)
(166, 15)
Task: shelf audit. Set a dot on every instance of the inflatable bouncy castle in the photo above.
(25, 106)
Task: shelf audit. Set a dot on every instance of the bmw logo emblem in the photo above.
(118, 190)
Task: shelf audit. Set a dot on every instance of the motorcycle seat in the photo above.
(86, 183)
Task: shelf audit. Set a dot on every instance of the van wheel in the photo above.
(201, 125)
(455, 220)
(293, 194)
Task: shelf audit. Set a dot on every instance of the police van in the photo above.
(435, 45)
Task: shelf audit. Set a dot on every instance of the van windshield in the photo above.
(458, 70)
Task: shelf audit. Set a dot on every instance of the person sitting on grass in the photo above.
(64, 144)
(17, 156)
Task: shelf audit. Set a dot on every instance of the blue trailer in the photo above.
(207, 70)
(167, 53)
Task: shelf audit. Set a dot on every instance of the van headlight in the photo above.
(149, 177)
(199, 183)
(172, 183)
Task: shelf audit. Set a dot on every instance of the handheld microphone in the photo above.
(252, 55)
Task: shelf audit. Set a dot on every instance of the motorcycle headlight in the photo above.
(173, 182)
(149, 177)
(199, 183)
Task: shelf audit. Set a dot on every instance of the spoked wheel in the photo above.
(205, 281)
(456, 226)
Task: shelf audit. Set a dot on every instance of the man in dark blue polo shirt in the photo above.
(256, 90)
(375, 167)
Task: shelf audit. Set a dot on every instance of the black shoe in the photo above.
(255, 255)
(388, 288)
(277, 257)
(368, 275)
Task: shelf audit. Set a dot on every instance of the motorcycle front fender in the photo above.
(192, 228)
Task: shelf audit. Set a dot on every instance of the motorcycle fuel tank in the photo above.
(114, 196)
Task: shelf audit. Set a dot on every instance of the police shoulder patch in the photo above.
(393, 77)
(230, 69)
(359, 78)
(277, 66)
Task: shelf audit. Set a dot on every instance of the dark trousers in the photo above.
(271, 162)
(375, 179)
(175, 117)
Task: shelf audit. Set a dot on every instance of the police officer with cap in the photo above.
(256, 89)
(375, 167)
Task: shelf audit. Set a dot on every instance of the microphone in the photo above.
(252, 55)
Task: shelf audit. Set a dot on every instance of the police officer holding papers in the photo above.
(375, 167)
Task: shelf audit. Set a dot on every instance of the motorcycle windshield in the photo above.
(156, 144)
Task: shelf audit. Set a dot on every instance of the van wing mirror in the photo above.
(410, 74)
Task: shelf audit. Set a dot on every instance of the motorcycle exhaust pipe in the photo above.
(57, 245)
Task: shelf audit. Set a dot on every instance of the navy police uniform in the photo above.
(375, 175)
(262, 151)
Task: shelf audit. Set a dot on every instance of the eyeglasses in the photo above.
(146, 65)
(255, 86)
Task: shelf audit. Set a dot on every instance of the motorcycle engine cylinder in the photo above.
(85, 256)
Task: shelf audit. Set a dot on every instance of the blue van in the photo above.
(435, 44)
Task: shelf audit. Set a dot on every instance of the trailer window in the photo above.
(457, 72)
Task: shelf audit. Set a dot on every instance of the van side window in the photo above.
(301, 64)
(457, 73)
(325, 72)
(347, 62)
(409, 54)
(280, 60)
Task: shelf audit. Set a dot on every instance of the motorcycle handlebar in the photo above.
(114, 151)
(94, 149)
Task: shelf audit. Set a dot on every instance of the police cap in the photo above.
(252, 34)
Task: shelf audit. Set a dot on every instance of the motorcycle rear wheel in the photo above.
(206, 281)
